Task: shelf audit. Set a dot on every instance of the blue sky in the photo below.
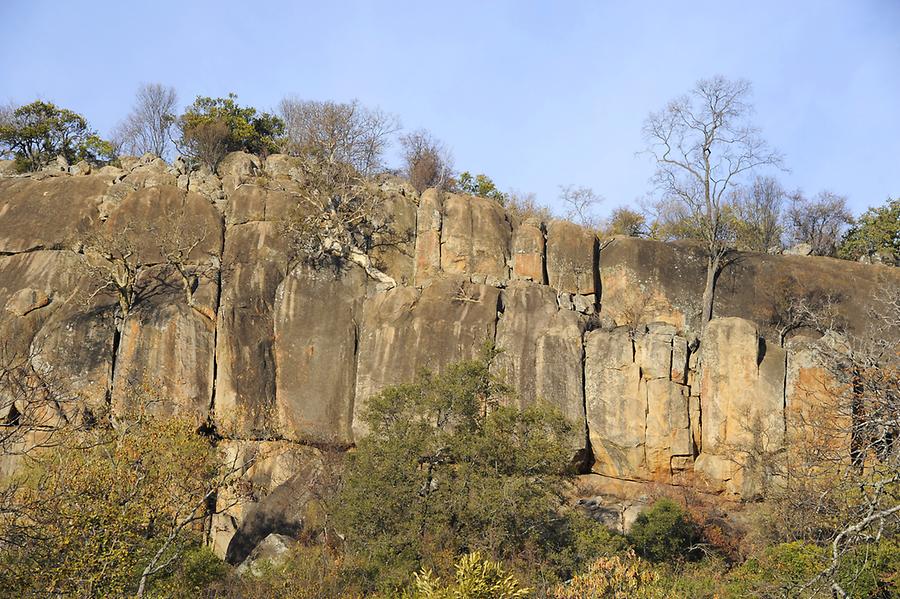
(535, 94)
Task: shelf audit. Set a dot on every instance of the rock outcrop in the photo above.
(281, 358)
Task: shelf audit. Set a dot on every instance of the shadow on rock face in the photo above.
(280, 512)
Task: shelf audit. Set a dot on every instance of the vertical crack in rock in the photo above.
(784, 407)
(544, 275)
(116, 340)
(584, 463)
(352, 402)
(215, 341)
(595, 272)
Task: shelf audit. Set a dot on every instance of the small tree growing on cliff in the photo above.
(112, 264)
(702, 144)
(427, 161)
(340, 216)
(178, 239)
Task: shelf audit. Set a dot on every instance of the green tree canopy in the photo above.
(876, 231)
(480, 185)
(448, 468)
(236, 128)
(37, 133)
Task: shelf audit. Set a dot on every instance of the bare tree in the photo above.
(112, 263)
(427, 162)
(205, 142)
(581, 205)
(840, 473)
(758, 209)
(525, 205)
(32, 406)
(703, 143)
(346, 132)
(796, 306)
(148, 126)
(818, 221)
(177, 238)
(340, 216)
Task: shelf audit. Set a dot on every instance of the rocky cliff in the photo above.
(280, 359)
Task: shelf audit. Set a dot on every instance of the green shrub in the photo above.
(449, 468)
(664, 532)
(780, 571)
(480, 185)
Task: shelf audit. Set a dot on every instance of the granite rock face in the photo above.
(637, 407)
(271, 351)
(316, 313)
(542, 352)
(404, 330)
(742, 403)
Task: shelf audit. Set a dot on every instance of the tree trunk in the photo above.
(712, 269)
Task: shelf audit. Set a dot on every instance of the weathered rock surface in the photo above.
(316, 314)
(655, 281)
(237, 168)
(404, 330)
(528, 250)
(167, 349)
(571, 258)
(48, 214)
(638, 416)
(742, 404)
(270, 499)
(542, 352)
(429, 221)
(253, 265)
(475, 238)
(271, 350)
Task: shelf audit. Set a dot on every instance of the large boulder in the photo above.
(572, 258)
(167, 349)
(148, 215)
(395, 242)
(638, 416)
(475, 238)
(250, 203)
(236, 168)
(47, 214)
(656, 281)
(528, 246)
(261, 467)
(429, 220)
